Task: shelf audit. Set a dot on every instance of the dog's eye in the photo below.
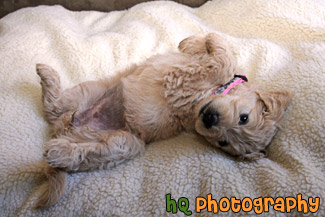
(243, 119)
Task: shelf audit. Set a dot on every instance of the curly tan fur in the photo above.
(99, 124)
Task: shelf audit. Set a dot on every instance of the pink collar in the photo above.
(224, 89)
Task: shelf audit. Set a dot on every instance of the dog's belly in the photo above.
(107, 113)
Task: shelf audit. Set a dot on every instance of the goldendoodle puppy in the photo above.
(98, 124)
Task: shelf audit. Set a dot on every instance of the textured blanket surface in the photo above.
(278, 44)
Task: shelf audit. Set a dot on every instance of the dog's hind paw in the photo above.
(47, 73)
(60, 153)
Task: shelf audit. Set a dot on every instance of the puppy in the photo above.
(99, 124)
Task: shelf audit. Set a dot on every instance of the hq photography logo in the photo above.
(258, 205)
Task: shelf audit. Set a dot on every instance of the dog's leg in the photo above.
(222, 58)
(51, 91)
(215, 44)
(212, 43)
(193, 45)
(56, 101)
(89, 150)
(197, 44)
(82, 151)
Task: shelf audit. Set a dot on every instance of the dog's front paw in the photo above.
(193, 45)
(61, 153)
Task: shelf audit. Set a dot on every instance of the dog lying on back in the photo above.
(98, 124)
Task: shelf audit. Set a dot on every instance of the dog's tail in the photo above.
(57, 181)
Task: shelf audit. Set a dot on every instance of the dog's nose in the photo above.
(210, 119)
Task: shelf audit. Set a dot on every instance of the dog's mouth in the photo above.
(223, 143)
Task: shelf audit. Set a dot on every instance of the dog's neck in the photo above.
(225, 88)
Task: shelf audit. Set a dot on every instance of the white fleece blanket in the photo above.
(279, 44)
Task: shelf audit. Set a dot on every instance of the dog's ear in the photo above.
(275, 103)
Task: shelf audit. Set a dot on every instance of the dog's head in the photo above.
(243, 122)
